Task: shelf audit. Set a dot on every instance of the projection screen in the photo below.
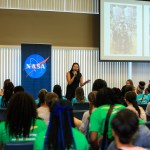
(124, 30)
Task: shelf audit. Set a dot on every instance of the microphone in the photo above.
(75, 73)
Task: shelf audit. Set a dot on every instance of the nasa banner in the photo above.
(35, 68)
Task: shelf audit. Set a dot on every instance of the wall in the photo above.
(115, 73)
(19, 26)
(57, 28)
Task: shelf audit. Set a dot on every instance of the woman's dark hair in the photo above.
(41, 96)
(125, 89)
(105, 96)
(131, 97)
(21, 114)
(98, 84)
(129, 88)
(117, 92)
(18, 89)
(5, 82)
(79, 94)
(59, 132)
(8, 92)
(78, 67)
(58, 91)
(125, 125)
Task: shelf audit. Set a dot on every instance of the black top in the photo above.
(70, 92)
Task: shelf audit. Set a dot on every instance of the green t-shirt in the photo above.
(98, 116)
(39, 127)
(80, 140)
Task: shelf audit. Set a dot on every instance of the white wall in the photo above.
(77, 6)
(115, 73)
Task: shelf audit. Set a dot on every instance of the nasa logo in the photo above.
(35, 66)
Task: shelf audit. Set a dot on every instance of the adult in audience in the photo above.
(141, 97)
(57, 89)
(21, 123)
(124, 126)
(125, 89)
(61, 133)
(74, 78)
(104, 99)
(79, 96)
(130, 98)
(8, 92)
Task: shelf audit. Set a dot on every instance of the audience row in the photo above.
(114, 119)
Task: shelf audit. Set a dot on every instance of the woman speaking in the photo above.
(74, 78)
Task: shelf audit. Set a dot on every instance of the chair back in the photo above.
(78, 114)
(19, 146)
(79, 109)
(81, 106)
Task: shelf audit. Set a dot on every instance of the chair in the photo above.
(19, 146)
(2, 113)
(79, 109)
(81, 106)
(78, 113)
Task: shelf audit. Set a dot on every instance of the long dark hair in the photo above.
(58, 91)
(8, 92)
(5, 82)
(105, 96)
(21, 114)
(98, 84)
(18, 89)
(41, 96)
(78, 67)
(131, 97)
(59, 133)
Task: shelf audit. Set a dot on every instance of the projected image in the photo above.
(149, 31)
(123, 29)
(146, 30)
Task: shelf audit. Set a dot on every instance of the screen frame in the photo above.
(102, 33)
